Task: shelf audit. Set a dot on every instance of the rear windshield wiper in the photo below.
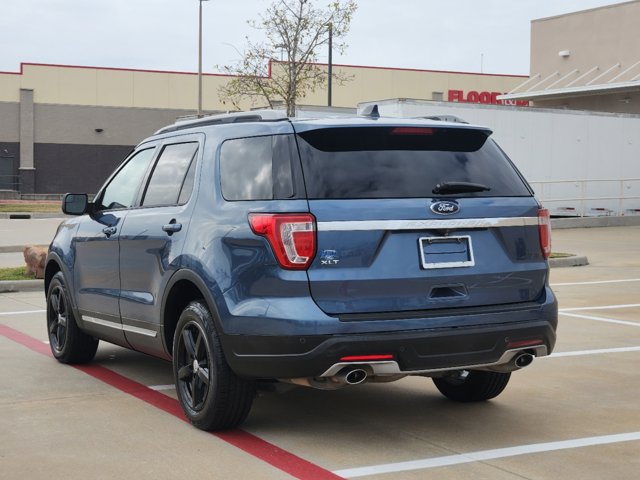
(460, 187)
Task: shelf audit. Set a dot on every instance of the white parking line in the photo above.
(484, 455)
(23, 312)
(159, 388)
(601, 307)
(600, 351)
(596, 282)
(600, 319)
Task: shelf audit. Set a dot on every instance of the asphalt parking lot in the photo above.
(574, 415)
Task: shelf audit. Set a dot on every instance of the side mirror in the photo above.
(75, 203)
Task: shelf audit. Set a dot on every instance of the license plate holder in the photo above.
(446, 252)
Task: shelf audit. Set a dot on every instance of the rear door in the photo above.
(418, 218)
(152, 237)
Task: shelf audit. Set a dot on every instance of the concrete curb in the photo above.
(31, 215)
(572, 261)
(595, 222)
(17, 248)
(10, 286)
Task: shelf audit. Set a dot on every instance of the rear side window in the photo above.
(170, 182)
(258, 168)
(404, 162)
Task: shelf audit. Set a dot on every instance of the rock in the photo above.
(35, 257)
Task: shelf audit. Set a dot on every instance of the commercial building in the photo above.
(587, 60)
(64, 128)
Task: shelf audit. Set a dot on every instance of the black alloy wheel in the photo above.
(57, 318)
(212, 396)
(68, 343)
(193, 361)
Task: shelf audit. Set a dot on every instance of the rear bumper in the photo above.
(414, 351)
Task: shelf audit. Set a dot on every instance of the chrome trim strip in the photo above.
(118, 326)
(449, 223)
(391, 367)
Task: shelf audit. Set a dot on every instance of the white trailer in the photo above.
(579, 163)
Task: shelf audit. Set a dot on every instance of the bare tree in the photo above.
(295, 30)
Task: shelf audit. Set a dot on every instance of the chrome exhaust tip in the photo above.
(523, 360)
(353, 376)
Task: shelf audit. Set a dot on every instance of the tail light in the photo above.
(292, 237)
(544, 228)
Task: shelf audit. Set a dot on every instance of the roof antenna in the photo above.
(371, 111)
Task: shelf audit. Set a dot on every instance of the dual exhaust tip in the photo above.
(352, 376)
(523, 360)
(357, 375)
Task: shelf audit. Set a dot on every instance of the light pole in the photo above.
(330, 68)
(200, 59)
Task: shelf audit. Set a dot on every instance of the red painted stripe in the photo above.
(366, 67)
(273, 455)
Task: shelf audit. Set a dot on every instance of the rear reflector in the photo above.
(366, 358)
(525, 343)
(292, 237)
(544, 228)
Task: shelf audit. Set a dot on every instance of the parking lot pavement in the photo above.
(573, 415)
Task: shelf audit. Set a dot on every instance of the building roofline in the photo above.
(136, 70)
(581, 91)
(568, 14)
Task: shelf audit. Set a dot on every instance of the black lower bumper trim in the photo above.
(310, 356)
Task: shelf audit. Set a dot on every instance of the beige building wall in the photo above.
(600, 37)
(597, 47)
(90, 86)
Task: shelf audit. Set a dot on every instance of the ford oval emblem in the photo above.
(445, 208)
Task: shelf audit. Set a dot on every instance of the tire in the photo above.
(211, 395)
(472, 386)
(68, 343)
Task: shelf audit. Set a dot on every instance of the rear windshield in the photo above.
(405, 162)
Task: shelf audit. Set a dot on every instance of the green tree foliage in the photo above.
(295, 30)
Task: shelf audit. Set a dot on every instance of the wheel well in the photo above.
(181, 294)
(50, 271)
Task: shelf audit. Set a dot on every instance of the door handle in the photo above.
(108, 231)
(172, 227)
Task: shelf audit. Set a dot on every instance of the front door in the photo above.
(96, 262)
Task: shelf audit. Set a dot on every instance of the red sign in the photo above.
(487, 98)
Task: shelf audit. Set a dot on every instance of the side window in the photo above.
(257, 168)
(171, 181)
(122, 190)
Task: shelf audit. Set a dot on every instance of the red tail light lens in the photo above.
(292, 237)
(544, 227)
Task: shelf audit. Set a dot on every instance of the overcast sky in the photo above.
(162, 34)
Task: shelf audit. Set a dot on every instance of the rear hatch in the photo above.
(417, 218)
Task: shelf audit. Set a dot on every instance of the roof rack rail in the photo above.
(445, 118)
(219, 119)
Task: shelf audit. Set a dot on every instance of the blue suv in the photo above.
(251, 248)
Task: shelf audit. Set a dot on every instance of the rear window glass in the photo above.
(404, 162)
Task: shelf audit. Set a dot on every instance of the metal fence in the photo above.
(590, 198)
